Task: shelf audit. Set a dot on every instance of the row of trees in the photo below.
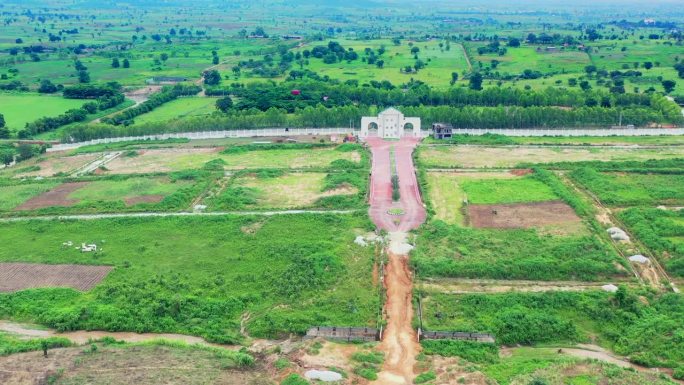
(166, 95)
(349, 116)
(331, 94)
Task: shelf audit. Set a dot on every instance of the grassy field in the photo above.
(560, 318)
(280, 191)
(448, 191)
(286, 272)
(179, 108)
(522, 58)
(20, 108)
(510, 156)
(444, 250)
(632, 189)
(126, 190)
(513, 190)
(12, 196)
(165, 160)
(440, 62)
(662, 232)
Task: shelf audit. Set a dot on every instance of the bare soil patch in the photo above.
(58, 196)
(521, 215)
(59, 164)
(132, 201)
(143, 365)
(162, 160)
(20, 276)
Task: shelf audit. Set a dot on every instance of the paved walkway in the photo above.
(381, 185)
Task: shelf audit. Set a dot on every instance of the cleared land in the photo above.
(59, 196)
(449, 191)
(21, 276)
(522, 215)
(165, 160)
(287, 191)
(20, 109)
(482, 156)
(14, 195)
(52, 165)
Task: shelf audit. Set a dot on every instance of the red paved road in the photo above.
(381, 185)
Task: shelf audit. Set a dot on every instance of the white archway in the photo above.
(390, 123)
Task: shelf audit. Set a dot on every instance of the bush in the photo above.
(425, 377)
(294, 379)
(472, 351)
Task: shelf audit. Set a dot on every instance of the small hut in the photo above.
(442, 130)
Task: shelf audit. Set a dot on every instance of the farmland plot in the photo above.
(509, 156)
(286, 273)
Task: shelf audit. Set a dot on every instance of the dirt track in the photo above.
(400, 342)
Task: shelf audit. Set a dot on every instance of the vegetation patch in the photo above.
(662, 231)
(444, 250)
(291, 273)
(640, 325)
(630, 189)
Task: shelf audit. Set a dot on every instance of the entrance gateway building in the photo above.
(390, 124)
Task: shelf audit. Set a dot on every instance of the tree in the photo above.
(415, 50)
(514, 42)
(648, 65)
(590, 69)
(584, 85)
(6, 156)
(380, 63)
(669, 85)
(454, 78)
(164, 56)
(224, 104)
(211, 77)
(215, 60)
(115, 63)
(83, 76)
(476, 81)
(26, 151)
(47, 87)
(126, 63)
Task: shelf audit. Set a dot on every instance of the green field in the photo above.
(632, 189)
(19, 108)
(179, 108)
(444, 250)
(662, 232)
(514, 190)
(449, 190)
(12, 196)
(287, 272)
(440, 62)
(127, 189)
(559, 318)
(166, 160)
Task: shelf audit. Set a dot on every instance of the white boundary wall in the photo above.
(266, 132)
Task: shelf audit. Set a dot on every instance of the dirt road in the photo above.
(399, 342)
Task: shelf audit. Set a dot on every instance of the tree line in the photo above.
(350, 116)
(332, 94)
(166, 95)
